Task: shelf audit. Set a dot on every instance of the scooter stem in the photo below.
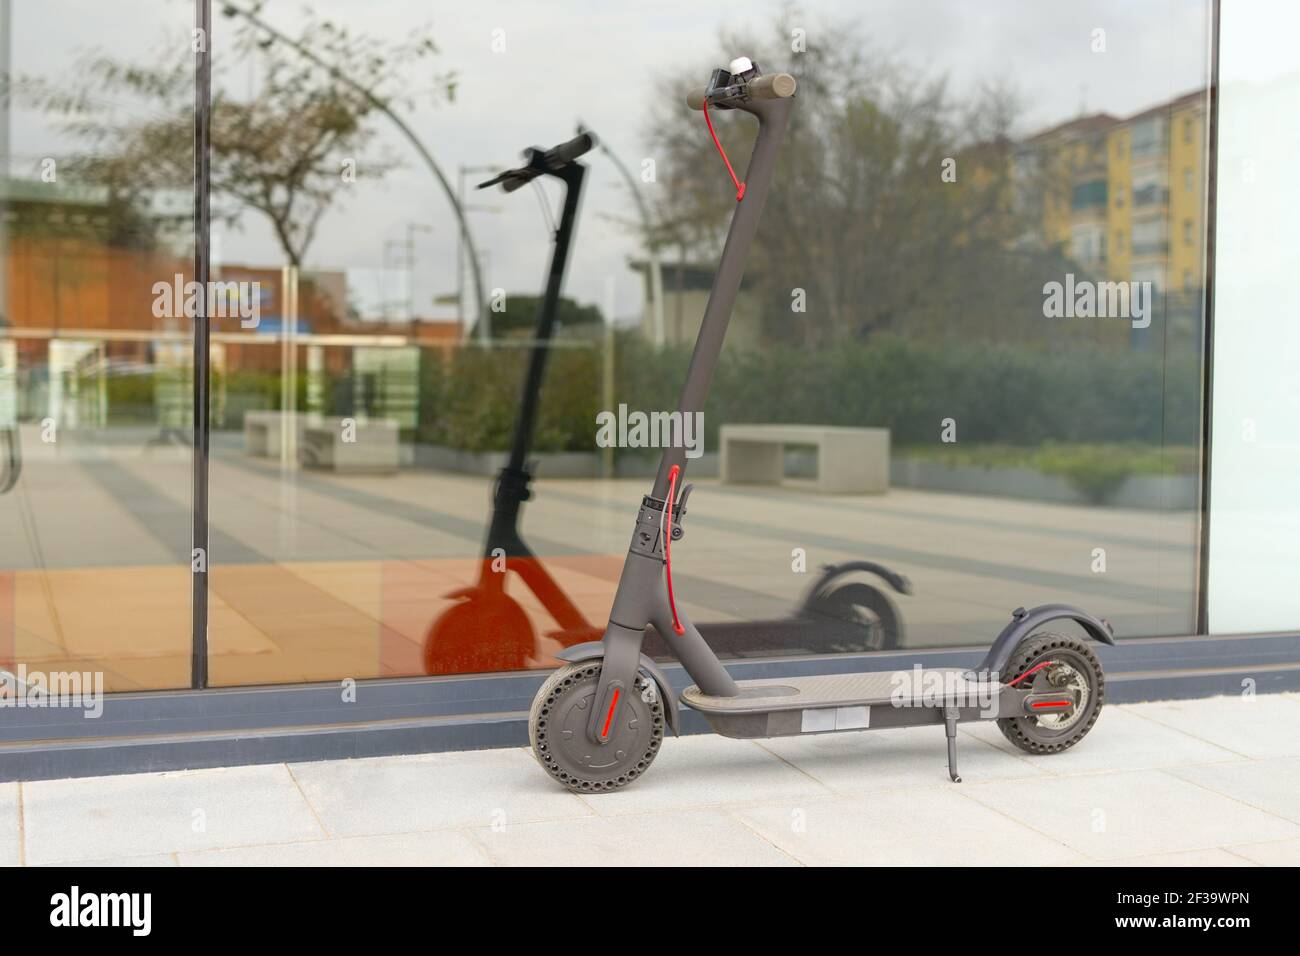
(773, 118)
(642, 597)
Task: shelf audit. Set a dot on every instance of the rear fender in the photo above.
(830, 572)
(1023, 623)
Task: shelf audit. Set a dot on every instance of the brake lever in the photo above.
(681, 500)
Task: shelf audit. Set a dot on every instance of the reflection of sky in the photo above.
(596, 60)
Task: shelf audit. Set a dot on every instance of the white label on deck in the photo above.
(826, 719)
(852, 718)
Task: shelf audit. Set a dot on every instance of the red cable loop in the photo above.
(1036, 667)
(668, 536)
(740, 187)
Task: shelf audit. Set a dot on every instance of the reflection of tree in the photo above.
(285, 150)
(859, 216)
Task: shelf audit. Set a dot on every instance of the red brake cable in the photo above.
(1035, 668)
(667, 530)
(740, 187)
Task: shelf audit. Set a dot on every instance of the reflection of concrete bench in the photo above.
(262, 433)
(374, 448)
(848, 459)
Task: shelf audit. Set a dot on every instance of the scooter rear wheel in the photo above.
(557, 728)
(1075, 669)
(868, 617)
(480, 635)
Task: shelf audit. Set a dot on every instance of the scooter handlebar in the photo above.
(541, 161)
(568, 152)
(770, 86)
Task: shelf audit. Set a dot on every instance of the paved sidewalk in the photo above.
(1214, 782)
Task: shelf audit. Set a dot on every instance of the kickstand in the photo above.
(950, 728)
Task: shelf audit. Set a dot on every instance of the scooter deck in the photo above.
(836, 702)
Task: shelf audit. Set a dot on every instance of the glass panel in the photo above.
(96, 200)
(990, 282)
(1255, 458)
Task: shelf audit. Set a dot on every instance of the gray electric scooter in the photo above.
(598, 721)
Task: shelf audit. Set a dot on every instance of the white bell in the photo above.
(739, 65)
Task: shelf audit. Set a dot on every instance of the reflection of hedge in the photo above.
(993, 393)
(996, 394)
(469, 401)
(1096, 471)
(130, 399)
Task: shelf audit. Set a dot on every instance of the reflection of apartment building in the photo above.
(1065, 170)
(1124, 197)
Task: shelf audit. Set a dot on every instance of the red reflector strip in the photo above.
(1048, 704)
(604, 732)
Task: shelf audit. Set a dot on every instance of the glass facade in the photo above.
(96, 208)
(987, 277)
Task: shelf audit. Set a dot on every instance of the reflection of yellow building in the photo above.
(1124, 198)
(1065, 171)
(1187, 150)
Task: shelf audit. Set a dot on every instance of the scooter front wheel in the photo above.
(558, 729)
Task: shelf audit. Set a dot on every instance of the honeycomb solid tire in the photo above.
(1025, 732)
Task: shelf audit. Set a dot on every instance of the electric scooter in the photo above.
(598, 722)
(487, 630)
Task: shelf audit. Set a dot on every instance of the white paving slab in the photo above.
(701, 771)
(903, 828)
(1258, 725)
(1272, 785)
(10, 825)
(1120, 740)
(705, 837)
(433, 792)
(1276, 853)
(1111, 816)
(153, 859)
(1211, 857)
(896, 759)
(431, 848)
(144, 814)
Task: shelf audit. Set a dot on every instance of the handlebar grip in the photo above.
(568, 152)
(772, 86)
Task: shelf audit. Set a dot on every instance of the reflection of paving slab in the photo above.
(331, 576)
(131, 623)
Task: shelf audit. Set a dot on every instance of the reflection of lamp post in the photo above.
(484, 320)
(411, 229)
(406, 259)
(385, 301)
(467, 240)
